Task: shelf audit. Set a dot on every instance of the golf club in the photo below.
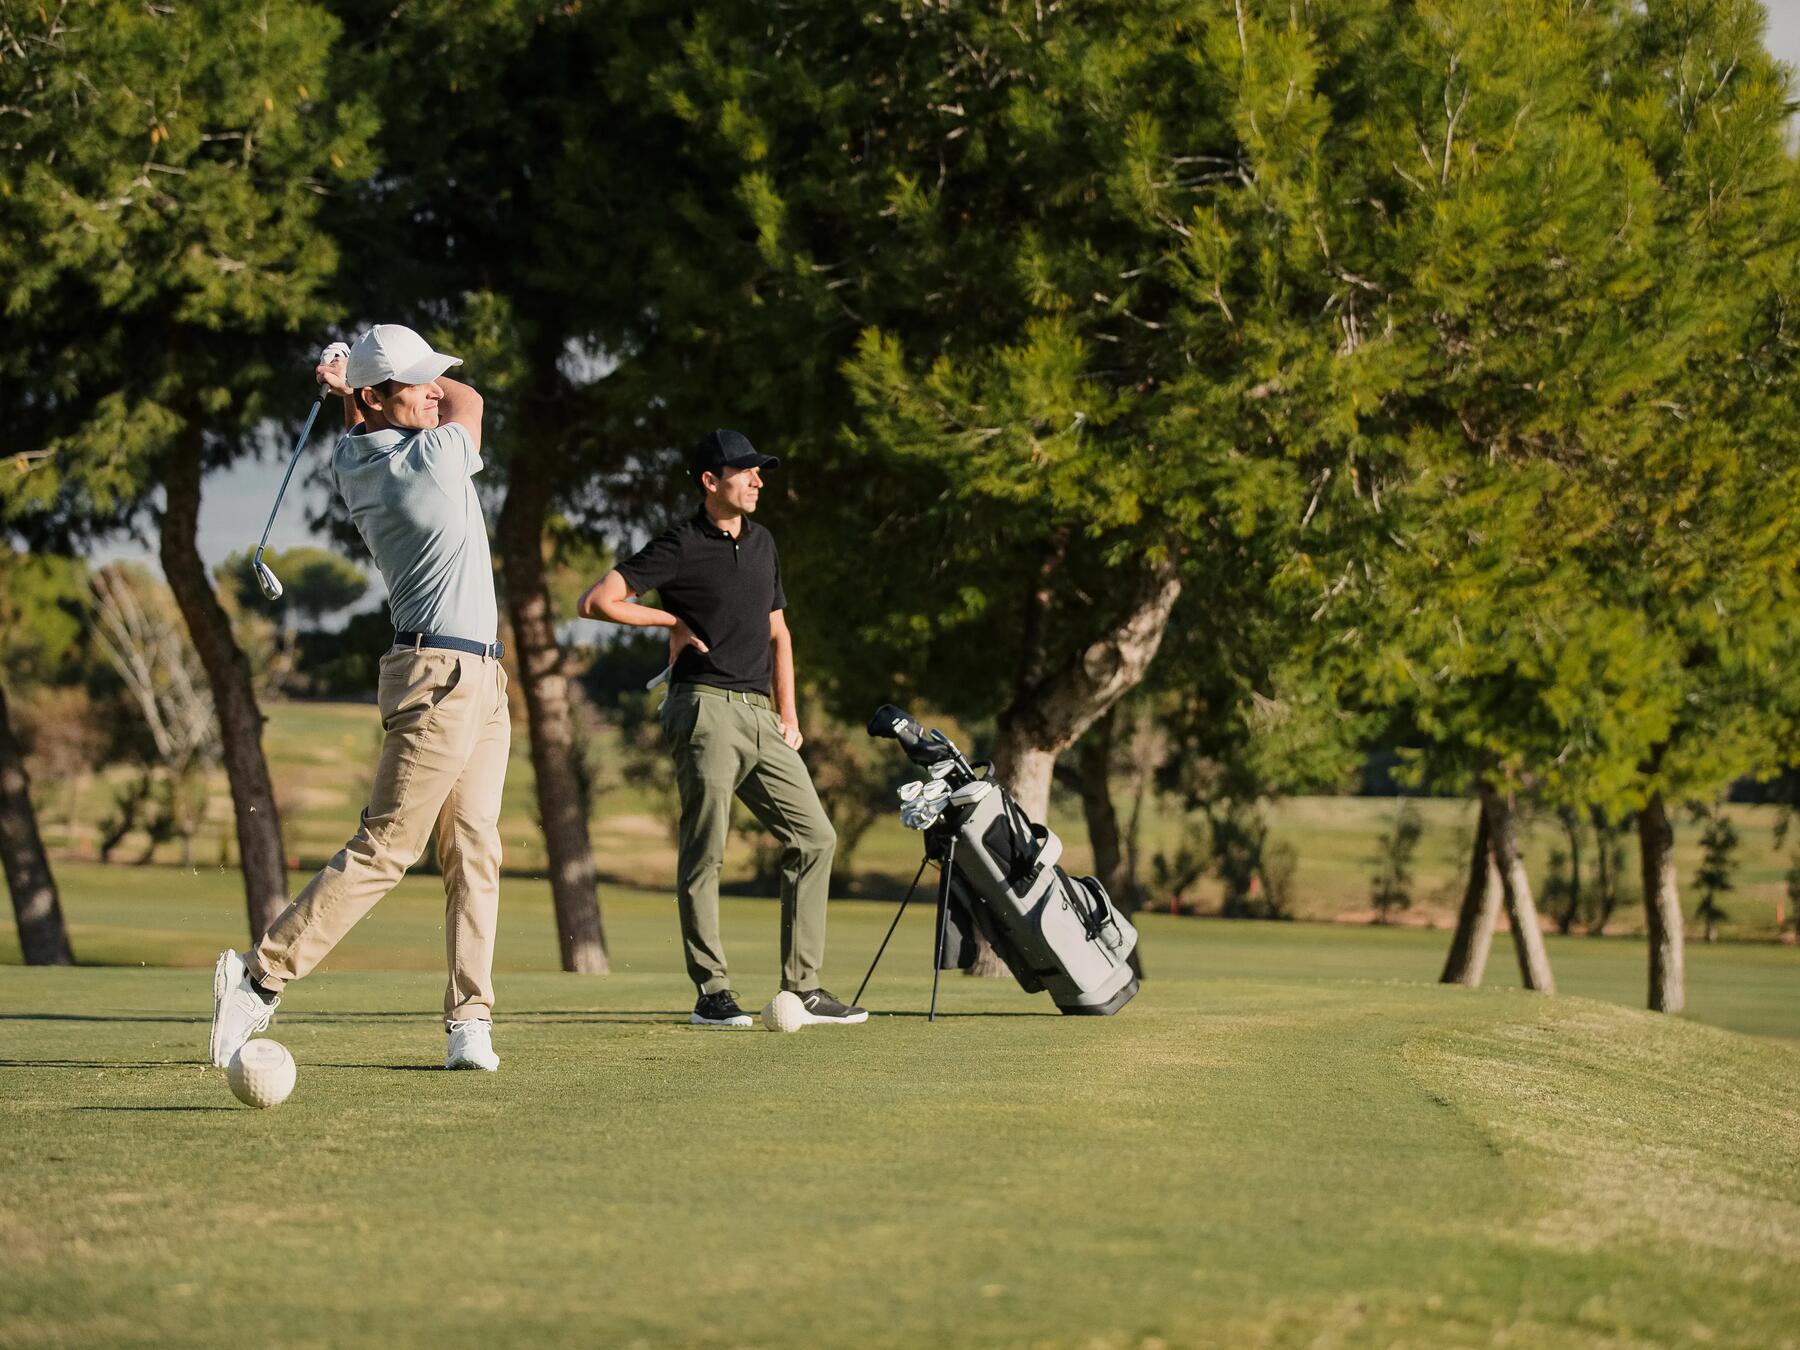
(265, 575)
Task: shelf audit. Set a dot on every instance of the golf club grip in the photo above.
(299, 445)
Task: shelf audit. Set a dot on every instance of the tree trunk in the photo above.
(1662, 907)
(1480, 912)
(1515, 885)
(562, 799)
(1571, 910)
(1027, 772)
(1053, 711)
(1096, 762)
(43, 936)
(1051, 714)
(261, 855)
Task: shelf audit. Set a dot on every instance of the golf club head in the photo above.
(265, 577)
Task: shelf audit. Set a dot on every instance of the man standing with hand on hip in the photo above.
(404, 471)
(718, 578)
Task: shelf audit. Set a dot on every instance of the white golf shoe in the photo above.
(472, 1046)
(238, 1011)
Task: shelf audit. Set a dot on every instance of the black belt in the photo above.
(450, 644)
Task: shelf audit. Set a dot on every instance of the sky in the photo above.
(235, 502)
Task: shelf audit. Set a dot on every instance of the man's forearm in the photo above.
(461, 403)
(611, 600)
(784, 680)
(628, 612)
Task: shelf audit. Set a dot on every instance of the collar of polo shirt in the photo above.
(717, 531)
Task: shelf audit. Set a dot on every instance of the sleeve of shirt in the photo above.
(780, 600)
(449, 452)
(654, 564)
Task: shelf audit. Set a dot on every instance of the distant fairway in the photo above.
(1291, 1138)
(321, 753)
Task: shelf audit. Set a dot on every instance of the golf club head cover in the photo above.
(893, 724)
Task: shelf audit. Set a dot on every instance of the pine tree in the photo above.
(162, 176)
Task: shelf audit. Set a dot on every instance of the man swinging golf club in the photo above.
(404, 471)
(718, 579)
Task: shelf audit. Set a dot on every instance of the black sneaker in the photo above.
(822, 1009)
(719, 1010)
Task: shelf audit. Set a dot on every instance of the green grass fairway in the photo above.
(1278, 1143)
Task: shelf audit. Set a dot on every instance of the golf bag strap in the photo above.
(1029, 839)
(1100, 913)
(439, 642)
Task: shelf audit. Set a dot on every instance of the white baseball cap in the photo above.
(392, 351)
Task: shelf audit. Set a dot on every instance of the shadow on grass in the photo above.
(921, 1014)
(626, 1016)
(156, 1108)
(99, 1017)
(100, 1063)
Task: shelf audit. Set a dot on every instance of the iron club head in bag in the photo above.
(266, 580)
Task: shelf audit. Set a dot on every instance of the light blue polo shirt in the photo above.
(412, 498)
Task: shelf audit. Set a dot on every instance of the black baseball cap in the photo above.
(727, 450)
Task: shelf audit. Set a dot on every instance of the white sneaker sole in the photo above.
(743, 1023)
(850, 1021)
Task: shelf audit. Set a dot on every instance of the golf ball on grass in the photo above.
(785, 1012)
(261, 1074)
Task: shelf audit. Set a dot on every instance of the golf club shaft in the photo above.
(299, 445)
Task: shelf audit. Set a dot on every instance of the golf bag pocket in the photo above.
(1013, 854)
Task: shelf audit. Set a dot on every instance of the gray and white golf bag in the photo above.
(999, 876)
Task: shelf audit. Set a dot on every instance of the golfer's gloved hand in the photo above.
(330, 372)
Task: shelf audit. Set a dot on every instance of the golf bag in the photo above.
(1000, 877)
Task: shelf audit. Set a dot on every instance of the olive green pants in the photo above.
(442, 765)
(726, 746)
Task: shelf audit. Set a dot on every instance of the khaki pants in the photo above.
(442, 764)
(732, 745)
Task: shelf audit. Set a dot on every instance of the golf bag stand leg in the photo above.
(891, 927)
(943, 922)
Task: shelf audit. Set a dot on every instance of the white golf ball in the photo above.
(261, 1074)
(785, 1012)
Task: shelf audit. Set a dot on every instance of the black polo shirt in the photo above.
(722, 588)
